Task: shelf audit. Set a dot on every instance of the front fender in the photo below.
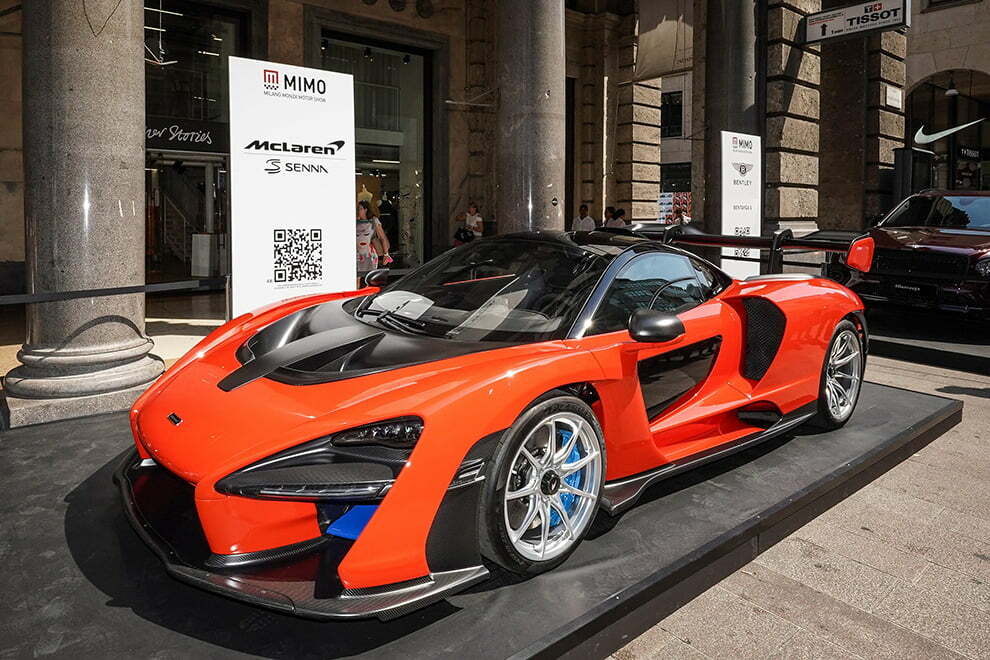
(473, 398)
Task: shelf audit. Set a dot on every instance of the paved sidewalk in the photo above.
(899, 570)
(175, 323)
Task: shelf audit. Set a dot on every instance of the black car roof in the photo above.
(597, 242)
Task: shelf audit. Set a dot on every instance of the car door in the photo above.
(677, 392)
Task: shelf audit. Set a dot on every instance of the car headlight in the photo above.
(399, 433)
(354, 465)
(983, 268)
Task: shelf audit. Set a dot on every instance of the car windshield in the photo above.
(958, 211)
(505, 290)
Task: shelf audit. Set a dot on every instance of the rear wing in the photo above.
(856, 249)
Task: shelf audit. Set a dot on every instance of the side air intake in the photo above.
(764, 331)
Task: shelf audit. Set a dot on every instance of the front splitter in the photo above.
(303, 583)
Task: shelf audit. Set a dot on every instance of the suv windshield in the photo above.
(960, 212)
(494, 290)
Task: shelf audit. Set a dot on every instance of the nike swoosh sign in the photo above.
(921, 138)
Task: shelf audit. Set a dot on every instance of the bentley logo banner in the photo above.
(291, 182)
(742, 194)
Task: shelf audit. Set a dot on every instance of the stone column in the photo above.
(884, 122)
(637, 135)
(860, 130)
(479, 19)
(84, 210)
(731, 80)
(531, 110)
(791, 144)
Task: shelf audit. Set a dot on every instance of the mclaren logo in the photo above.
(743, 168)
(276, 166)
(292, 148)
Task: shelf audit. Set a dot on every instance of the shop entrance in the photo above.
(948, 122)
(392, 102)
(186, 221)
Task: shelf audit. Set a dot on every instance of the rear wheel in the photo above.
(543, 490)
(842, 376)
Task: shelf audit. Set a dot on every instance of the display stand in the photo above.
(942, 339)
(78, 576)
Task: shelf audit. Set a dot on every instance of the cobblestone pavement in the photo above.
(899, 570)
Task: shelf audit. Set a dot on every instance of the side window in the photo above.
(711, 283)
(662, 281)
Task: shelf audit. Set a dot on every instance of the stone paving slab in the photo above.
(901, 569)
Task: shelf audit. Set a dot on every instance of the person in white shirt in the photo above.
(473, 221)
(583, 222)
(618, 219)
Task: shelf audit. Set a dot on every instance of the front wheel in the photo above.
(545, 485)
(842, 376)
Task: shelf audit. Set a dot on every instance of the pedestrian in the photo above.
(609, 212)
(677, 218)
(473, 221)
(618, 219)
(372, 242)
(583, 222)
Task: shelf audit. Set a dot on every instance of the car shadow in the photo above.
(981, 392)
(112, 557)
(603, 522)
(118, 563)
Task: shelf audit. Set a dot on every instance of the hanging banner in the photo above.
(665, 38)
(291, 182)
(742, 197)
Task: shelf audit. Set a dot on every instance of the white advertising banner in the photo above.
(291, 182)
(742, 198)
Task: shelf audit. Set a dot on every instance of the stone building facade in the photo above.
(434, 79)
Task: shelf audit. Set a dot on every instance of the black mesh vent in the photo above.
(764, 330)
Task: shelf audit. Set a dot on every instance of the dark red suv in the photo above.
(932, 250)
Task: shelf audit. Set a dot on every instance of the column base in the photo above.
(16, 412)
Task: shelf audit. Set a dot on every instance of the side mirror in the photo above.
(651, 326)
(377, 277)
(860, 254)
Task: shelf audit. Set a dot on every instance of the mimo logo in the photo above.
(273, 80)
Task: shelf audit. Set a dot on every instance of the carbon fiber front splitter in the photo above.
(303, 582)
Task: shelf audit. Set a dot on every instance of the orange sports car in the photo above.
(366, 453)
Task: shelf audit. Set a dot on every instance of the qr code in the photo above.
(298, 255)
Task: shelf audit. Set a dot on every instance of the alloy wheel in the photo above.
(552, 487)
(843, 375)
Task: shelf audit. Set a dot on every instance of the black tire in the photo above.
(495, 543)
(824, 419)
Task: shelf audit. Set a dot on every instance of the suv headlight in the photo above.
(983, 268)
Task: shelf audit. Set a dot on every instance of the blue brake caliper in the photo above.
(568, 500)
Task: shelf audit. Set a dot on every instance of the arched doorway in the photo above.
(947, 130)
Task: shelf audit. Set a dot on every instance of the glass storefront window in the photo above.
(390, 98)
(961, 159)
(186, 47)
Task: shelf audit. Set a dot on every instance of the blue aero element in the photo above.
(351, 524)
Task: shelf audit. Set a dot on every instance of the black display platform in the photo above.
(939, 339)
(78, 582)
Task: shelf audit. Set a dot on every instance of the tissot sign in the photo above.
(291, 183)
(742, 195)
(856, 19)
